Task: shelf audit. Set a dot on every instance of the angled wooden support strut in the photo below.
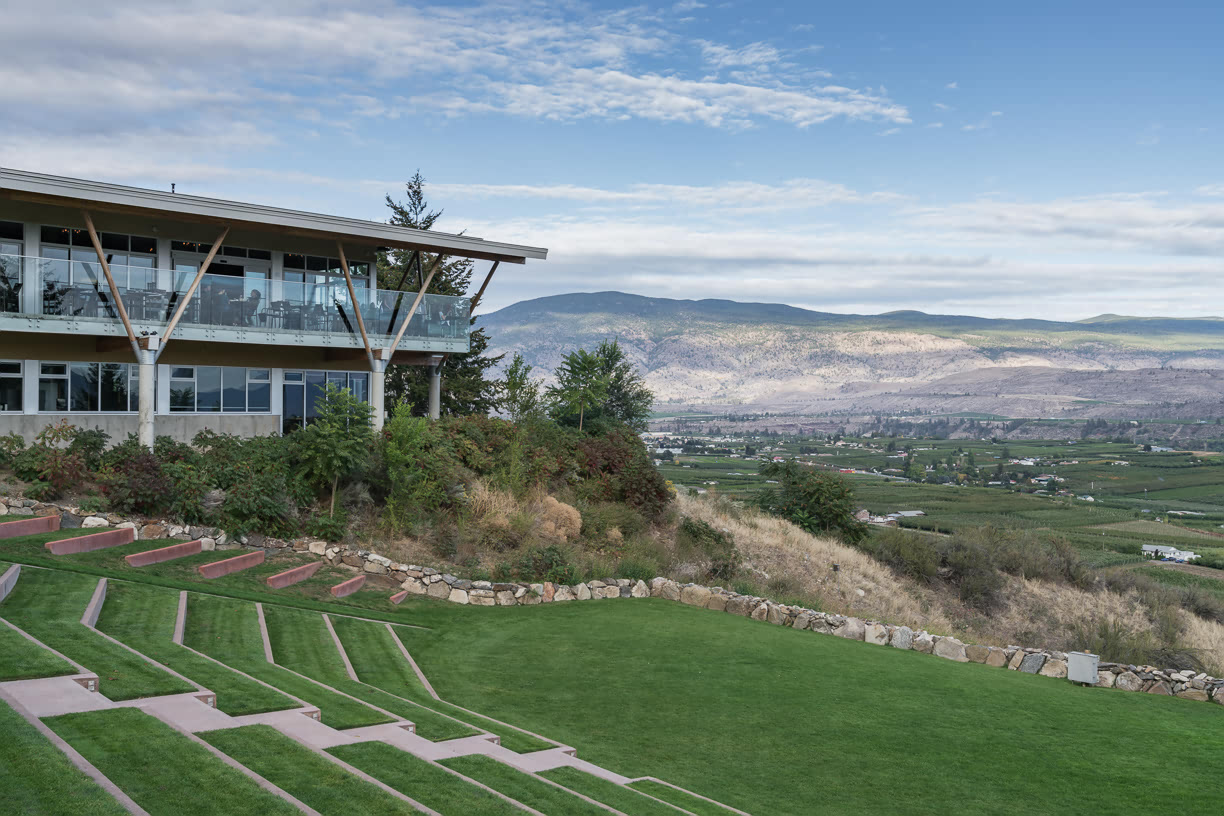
(475, 300)
(110, 282)
(365, 339)
(191, 290)
(408, 317)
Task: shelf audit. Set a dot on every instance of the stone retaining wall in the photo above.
(418, 580)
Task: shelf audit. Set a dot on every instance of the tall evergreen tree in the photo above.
(464, 387)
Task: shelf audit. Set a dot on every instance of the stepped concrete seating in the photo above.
(399, 597)
(231, 565)
(348, 587)
(293, 576)
(29, 526)
(144, 559)
(94, 541)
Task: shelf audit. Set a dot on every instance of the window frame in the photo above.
(20, 377)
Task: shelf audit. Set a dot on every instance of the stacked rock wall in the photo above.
(433, 583)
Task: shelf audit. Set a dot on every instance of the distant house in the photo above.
(862, 515)
(1165, 551)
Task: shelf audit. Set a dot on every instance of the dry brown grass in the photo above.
(862, 587)
(557, 521)
(1207, 639)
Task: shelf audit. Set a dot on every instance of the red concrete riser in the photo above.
(94, 541)
(399, 597)
(231, 565)
(290, 577)
(170, 553)
(348, 587)
(29, 526)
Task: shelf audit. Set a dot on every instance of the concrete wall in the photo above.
(181, 427)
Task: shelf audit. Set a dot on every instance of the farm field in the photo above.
(1131, 488)
(626, 683)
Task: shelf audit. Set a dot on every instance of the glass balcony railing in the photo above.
(77, 290)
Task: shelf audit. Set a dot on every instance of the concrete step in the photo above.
(162, 554)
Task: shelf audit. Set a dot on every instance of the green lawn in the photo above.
(36, 778)
(300, 772)
(423, 781)
(229, 632)
(21, 660)
(693, 804)
(624, 799)
(774, 721)
(48, 604)
(143, 618)
(522, 787)
(162, 770)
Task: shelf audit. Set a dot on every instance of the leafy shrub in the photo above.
(816, 501)
(907, 553)
(137, 485)
(972, 568)
(90, 444)
(420, 468)
(188, 487)
(258, 501)
(334, 446)
(50, 463)
(549, 563)
(10, 445)
(91, 504)
(329, 528)
(636, 568)
(716, 546)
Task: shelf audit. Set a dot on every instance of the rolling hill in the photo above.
(709, 353)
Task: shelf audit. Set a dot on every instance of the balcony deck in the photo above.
(72, 297)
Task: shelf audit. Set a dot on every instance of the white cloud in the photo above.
(942, 106)
(952, 86)
(1213, 190)
(890, 132)
(935, 125)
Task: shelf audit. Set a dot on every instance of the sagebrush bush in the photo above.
(717, 547)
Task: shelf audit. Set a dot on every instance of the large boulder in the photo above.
(639, 590)
(458, 596)
(902, 638)
(1054, 668)
(1032, 663)
(94, 521)
(996, 657)
(761, 611)
(924, 642)
(717, 602)
(505, 597)
(670, 591)
(776, 614)
(803, 620)
(1193, 694)
(851, 629)
(656, 587)
(582, 592)
(415, 586)
(1160, 687)
(438, 589)
(1128, 681)
(739, 605)
(1105, 679)
(876, 633)
(563, 593)
(1016, 659)
(977, 653)
(695, 595)
(950, 648)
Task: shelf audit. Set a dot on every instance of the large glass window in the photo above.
(73, 283)
(10, 385)
(53, 387)
(212, 389)
(94, 387)
(10, 272)
(304, 391)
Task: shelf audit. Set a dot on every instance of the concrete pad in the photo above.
(29, 526)
(52, 696)
(91, 542)
(293, 576)
(348, 587)
(229, 566)
(144, 559)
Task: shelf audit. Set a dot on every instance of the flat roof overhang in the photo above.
(20, 185)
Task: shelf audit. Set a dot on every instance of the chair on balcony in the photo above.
(10, 296)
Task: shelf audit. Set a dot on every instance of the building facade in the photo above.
(147, 312)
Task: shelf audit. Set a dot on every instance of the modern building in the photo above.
(149, 312)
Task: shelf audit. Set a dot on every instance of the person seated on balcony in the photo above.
(250, 308)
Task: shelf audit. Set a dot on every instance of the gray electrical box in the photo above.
(1082, 668)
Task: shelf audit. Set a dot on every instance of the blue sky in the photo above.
(1046, 159)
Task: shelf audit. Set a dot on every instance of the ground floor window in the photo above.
(87, 387)
(220, 389)
(304, 390)
(10, 385)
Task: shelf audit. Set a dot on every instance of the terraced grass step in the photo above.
(378, 661)
(143, 617)
(37, 777)
(161, 769)
(625, 799)
(523, 787)
(301, 641)
(296, 769)
(48, 604)
(423, 781)
(21, 659)
(228, 631)
(693, 804)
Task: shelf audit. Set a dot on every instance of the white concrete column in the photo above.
(147, 398)
(378, 383)
(29, 386)
(435, 391)
(31, 289)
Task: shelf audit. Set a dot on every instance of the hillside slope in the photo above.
(723, 353)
